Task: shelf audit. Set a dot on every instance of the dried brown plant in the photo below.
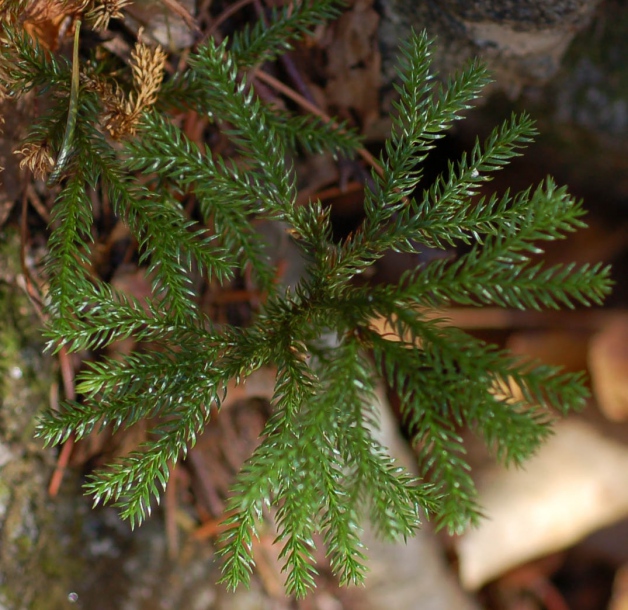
(44, 20)
(36, 158)
(102, 11)
(147, 65)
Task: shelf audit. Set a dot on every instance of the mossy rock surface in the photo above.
(36, 567)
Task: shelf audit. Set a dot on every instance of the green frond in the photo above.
(273, 474)
(68, 261)
(227, 196)
(392, 494)
(313, 135)
(321, 464)
(110, 316)
(499, 270)
(190, 90)
(427, 404)
(72, 418)
(166, 240)
(447, 213)
(250, 129)
(273, 36)
(26, 65)
(237, 552)
(131, 483)
(423, 115)
(122, 391)
(448, 348)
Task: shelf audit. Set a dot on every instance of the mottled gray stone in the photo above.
(522, 43)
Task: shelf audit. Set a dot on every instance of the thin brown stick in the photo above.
(36, 202)
(295, 76)
(212, 527)
(299, 99)
(234, 8)
(62, 463)
(205, 490)
(335, 191)
(176, 8)
(67, 375)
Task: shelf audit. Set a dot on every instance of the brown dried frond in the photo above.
(104, 11)
(148, 73)
(43, 19)
(111, 96)
(37, 158)
(148, 69)
(109, 93)
(41, 11)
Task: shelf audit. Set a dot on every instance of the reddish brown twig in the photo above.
(211, 528)
(67, 375)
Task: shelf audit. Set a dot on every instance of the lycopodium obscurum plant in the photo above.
(108, 131)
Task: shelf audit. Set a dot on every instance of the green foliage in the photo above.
(319, 465)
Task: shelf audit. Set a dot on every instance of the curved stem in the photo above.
(66, 146)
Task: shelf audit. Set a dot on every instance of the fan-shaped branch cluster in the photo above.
(319, 465)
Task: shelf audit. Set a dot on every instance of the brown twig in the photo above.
(293, 72)
(206, 489)
(311, 108)
(234, 8)
(334, 192)
(37, 203)
(176, 8)
(67, 375)
(211, 528)
(285, 60)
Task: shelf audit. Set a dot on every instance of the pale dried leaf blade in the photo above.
(574, 486)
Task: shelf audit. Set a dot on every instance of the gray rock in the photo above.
(521, 42)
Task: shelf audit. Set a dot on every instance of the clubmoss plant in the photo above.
(319, 464)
